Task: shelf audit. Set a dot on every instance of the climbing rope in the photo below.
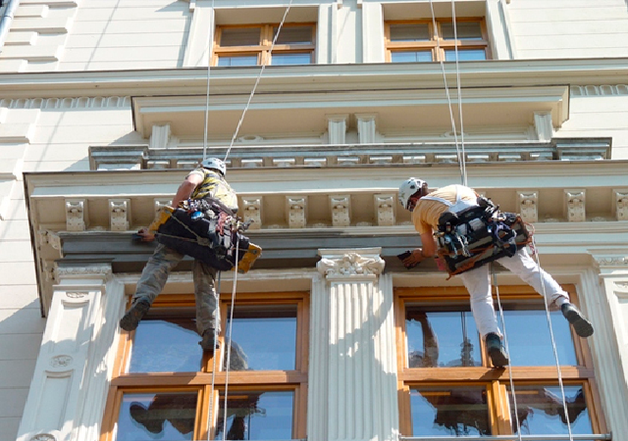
(459, 153)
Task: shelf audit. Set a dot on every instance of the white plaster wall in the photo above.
(37, 135)
(21, 324)
(569, 28)
(599, 111)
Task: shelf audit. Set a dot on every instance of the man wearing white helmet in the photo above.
(427, 208)
(207, 180)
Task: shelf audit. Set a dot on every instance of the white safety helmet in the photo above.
(408, 189)
(215, 164)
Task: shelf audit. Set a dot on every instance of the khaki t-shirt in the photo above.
(427, 212)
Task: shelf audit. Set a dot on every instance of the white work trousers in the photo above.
(478, 283)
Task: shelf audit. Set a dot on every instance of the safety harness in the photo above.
(207, 230)
(471, 234)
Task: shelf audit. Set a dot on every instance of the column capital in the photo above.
(355, 263)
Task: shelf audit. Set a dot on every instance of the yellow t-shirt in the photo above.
(426, 214)
(216, 186)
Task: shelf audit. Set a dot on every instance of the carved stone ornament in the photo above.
(621, 205)
(75, 214)
(253, 211)
(61, 361)
(76, 295)
(385, 209)
(340, 210)
(529, 206)
(351, 264)
(43, 437)
(119, 214)
(575, 200)
(611, 260)
(82, 271)
(297, 211)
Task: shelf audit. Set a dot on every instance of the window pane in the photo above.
(294, 35)
(238, 60)
(256, 415)
(449, 411)
(465, 55)
(266, 335)
(240, 37)
(465, 30)
(411, 57)
(280, 59)
(168, 345)
(442, 339)
(165, 415)
(529, 339)
(541, 411)
(409, 32)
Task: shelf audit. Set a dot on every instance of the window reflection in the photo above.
(166, 345)
(411, 56)
(267, 335)
(238, 60)
(465, 55)
(256, 415)
(285, 59)
(541, 411)
(409, 32)
(529, 339)
(165, 415)
(449, 411)
(444, 339)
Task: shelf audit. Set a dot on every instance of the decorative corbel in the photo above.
(340, 210)
(621, 204)
(385, 209)
(529, 205)
(160, 136)
(75, 214)
(296, 207)
(337, 128)
(119, 214)
(575, 201)
(366, 128)
(253, 211)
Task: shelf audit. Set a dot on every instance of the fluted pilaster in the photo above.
(354, 373)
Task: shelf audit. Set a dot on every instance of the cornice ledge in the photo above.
(321, 77)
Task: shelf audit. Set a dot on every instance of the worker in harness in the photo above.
(206, 181)
(427, 212)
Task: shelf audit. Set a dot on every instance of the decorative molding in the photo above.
(160, 136)
(61, 361)
(575, 201)
(599, 90)
(98, 102)
(76, 295)
(119, 214)
(529, 205)
(43, 437)
(543, 126)
(102, 270)
(296, 208)
(340, 210)
(614, 261)
(252, 209)
(75, 214)
(337, 128)
(350, 264)
(367, 124)
(621, 204)
(385, 209)
(47, 237)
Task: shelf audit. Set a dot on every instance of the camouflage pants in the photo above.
(155, 275)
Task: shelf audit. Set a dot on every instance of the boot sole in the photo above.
(582, 326)
(133, 316)
(498, 358)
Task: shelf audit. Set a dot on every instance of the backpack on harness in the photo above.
(479, 235)
(208, 238)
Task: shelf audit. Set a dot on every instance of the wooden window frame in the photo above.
(437, 45)
(262, 50)
(155, 382)
(496, 381)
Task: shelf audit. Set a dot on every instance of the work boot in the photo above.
(496, 350)
(134, 315)
(143, 416)
(207, 342)
(582, 326)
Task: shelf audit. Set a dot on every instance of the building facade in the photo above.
(321, 109)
